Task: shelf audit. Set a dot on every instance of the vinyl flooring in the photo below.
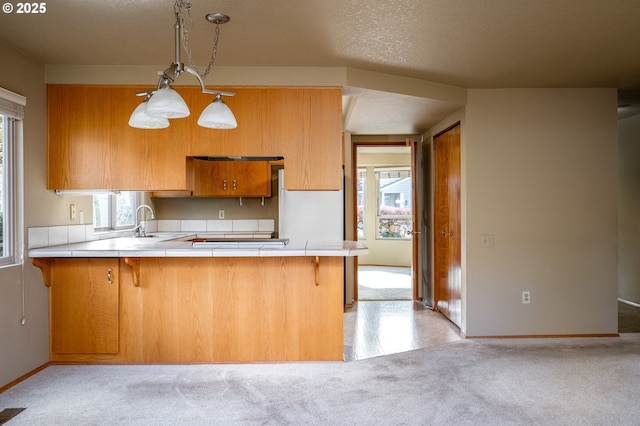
(628, 318)
(378, 328)
(384, 283)
(383, 322)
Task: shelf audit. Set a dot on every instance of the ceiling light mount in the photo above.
(217, 18)
(164, 103)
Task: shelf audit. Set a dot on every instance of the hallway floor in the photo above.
(377, 328)
(384, 283)
(628, 318)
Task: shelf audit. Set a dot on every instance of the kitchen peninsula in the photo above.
(162, 300)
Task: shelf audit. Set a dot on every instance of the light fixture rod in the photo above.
(204, 89)
(178, 31)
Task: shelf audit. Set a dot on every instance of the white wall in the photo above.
(629, 209)
(25, 348)
(540, 171)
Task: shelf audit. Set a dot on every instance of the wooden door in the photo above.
(447, 227)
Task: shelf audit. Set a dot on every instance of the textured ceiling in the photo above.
(466, 43)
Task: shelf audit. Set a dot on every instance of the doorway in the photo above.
(384, 192)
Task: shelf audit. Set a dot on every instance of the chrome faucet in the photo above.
(138, 230)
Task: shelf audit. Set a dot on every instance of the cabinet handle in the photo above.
(444, 232)
(109, 281)
(235, 186)
(224, 184)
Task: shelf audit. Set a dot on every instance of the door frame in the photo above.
(415, 266)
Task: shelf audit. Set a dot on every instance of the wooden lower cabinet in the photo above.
(186, 310)
(84, 306)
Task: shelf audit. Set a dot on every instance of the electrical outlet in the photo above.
(220, 214)
(486, 240)
(526, 297)
(72, 212)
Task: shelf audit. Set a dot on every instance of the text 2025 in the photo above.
(31, 7)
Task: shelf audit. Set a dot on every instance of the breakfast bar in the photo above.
(168, 300)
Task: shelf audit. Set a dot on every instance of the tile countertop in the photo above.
(174, 245)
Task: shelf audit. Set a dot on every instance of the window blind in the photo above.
(12, 104)
(393, 173)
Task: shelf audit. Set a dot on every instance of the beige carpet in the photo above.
(590, 381)
(384, 283)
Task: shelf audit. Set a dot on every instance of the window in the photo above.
(394, 202)
(115, 211)
(361, 202)
(11, 114)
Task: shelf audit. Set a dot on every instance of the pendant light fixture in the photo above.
(140, 118)
(217, 115)
(164, 103)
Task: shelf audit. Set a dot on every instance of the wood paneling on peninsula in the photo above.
(195, 309)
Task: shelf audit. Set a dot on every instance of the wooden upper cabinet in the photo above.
(145, 159)
(301, 124)
(91, 146)
(79, 155)
(232, 179)
(245, 140)
(313, 147)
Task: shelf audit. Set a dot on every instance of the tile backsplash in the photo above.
(45, 236)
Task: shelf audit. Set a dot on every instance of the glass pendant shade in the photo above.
(140, 120)
(167, 103)
(217, 115)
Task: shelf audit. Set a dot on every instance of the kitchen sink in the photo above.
(239, 242)
(169, 235)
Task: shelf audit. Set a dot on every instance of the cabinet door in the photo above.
(78, 152)
(84, 306)
(312, 145)
(232, 179)
(145, 159)
(248, 106)
(90, 144)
